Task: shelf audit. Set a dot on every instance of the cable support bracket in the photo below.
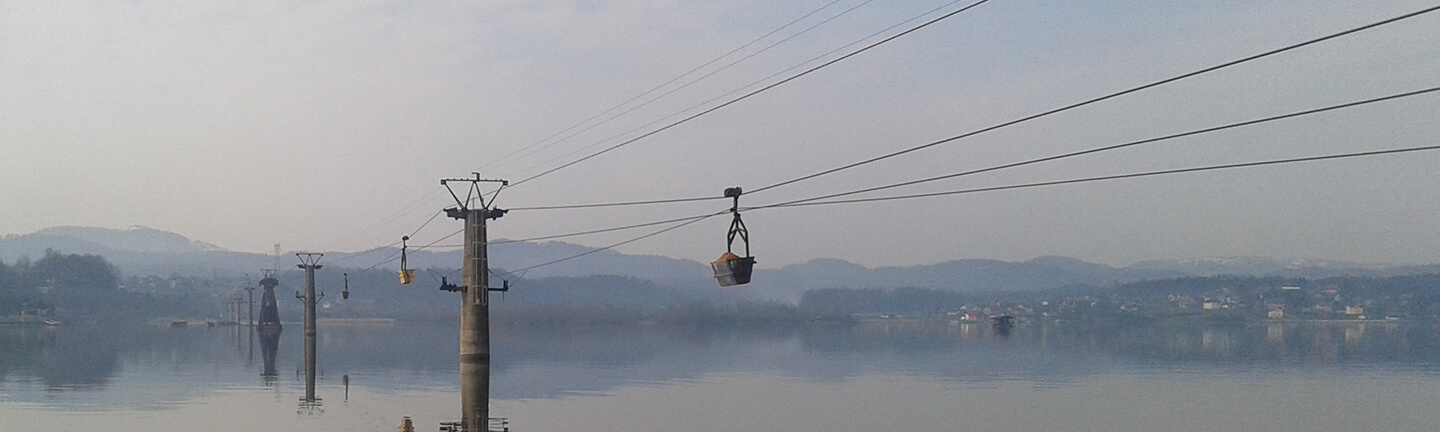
(473, 193)
(737, 226)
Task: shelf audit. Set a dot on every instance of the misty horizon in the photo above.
(173, 242)
(326, 126)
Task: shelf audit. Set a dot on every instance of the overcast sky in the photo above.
(326, 125)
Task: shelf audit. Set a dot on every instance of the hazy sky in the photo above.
(325, 125)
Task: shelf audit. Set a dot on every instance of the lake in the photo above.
(878, 375)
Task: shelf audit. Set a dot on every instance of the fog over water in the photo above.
(922, 376)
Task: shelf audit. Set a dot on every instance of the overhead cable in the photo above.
(813, 201)
(1127, 144)
(742, 88)
(389, 259)
(1013, 187)
(1109, 177)
(378, 248)
(1008, 123)
(707, 75)
(678, 226)
(366, 252)
(605, 230)
(395, 254)
(1032, 161)
(1106, 97)
(427, 222)
(617, 204)
(752, 93)
(677, 78)
(1003, 166)
(390, 219)
(432, 244)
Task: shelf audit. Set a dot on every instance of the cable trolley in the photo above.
(731, 269)
(407, 274)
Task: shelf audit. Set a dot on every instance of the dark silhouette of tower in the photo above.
(269, 350)
(269, 326)
(269, 310)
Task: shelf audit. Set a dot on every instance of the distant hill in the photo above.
(135, 239)
(140, 251)
(136, 250)
(146, 251)
(509, 256)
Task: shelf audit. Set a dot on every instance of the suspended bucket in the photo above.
(732, 270)
(406, 274)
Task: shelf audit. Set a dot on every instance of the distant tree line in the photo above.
(1413, 296)
(74, 287)
(61, 271)
(27, 285)
(880, 300)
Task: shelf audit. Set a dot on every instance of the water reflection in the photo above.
(66, 364)
(556, 362)
(59, 363)
(269, 350)
(1279, 344)
(475, 401)
(310, 404)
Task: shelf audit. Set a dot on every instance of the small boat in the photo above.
(1002, 323)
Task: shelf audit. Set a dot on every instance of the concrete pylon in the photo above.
(310, 262)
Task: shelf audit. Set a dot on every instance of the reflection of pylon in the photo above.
(269, 350)
(310, 407)
(250, 308)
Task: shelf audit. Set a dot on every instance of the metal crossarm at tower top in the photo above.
(472, 193)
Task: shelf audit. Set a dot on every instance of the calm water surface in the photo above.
(876, 376)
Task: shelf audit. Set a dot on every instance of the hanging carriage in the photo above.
(731, 269)
(407, 274)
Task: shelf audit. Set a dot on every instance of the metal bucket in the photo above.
(732, 270)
